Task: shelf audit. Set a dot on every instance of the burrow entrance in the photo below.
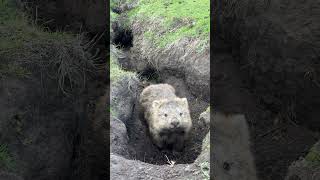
(140, 145)
(123, 37)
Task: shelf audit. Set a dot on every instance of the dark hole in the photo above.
(149, 74)
(123, 37)
(226, 166)
(116, 10)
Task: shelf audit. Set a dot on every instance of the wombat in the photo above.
(167, 116)
(232, 158)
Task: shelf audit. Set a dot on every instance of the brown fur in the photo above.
(167, 116)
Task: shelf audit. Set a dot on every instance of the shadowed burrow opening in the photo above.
(116, 10)
(150, 74)
(123, 36)
(142, 148)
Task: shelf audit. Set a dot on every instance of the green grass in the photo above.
(16, 29)
(313, 157)
(179, 18)
(113, 16)
(6, 161)
(116, 72)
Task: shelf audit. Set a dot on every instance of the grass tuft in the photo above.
(116, 72)
(313, 157)
(25, 48)
(6, 161)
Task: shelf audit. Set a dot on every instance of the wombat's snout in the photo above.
(175, 124)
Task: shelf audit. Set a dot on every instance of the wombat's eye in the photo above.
(165, 115)
(180, 114)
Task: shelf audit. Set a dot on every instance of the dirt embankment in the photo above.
(266, 58)
(53, 91)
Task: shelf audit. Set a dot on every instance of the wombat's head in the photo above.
(171, 115)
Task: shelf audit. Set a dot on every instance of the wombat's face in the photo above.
(172, 115)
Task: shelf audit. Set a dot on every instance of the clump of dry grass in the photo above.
(66, 61)
(31, 50)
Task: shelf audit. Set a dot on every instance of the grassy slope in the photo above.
(17, 35)
(178, 19)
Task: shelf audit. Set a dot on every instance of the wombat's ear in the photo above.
(184, 101)
(156, 104)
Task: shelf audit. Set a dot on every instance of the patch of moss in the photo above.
(6, 161)
(313, 157)
(113, 16)
(177, 19)
(116, 72)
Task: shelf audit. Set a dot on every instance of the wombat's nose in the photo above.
(175, 123)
